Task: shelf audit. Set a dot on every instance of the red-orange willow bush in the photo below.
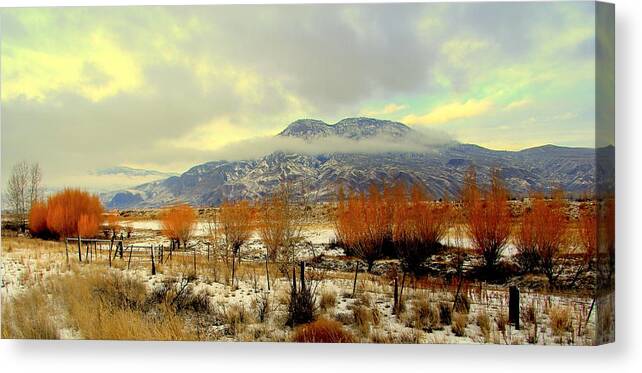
(412, 224)
(363, 224)
(419, 225)
(74, 213)
(487, 217)
(542, 233)
(177, 223)
(38, 220)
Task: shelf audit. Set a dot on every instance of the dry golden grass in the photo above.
(29, 316)
(483, 321)
(459, 323)
(327, 300)
(97, 304)
(425, 315)
(561, 322)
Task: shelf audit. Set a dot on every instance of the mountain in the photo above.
(440, 168)
(350, 128)
(131, 172)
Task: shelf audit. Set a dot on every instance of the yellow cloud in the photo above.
(388, 109)
(96, 68)
(212, 136)
(518, 104)
(450, 112)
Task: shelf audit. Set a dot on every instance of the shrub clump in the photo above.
(322, 331)
(459, 322)
(426, 315)
(483, 321)
(561, 321)
(29, 316)
(327, 300)
(445, 313)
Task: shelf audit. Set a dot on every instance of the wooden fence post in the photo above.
(79, 250)
(111, 243)
(513, 306)
(151, 247)
(67, 250)
(131, 249)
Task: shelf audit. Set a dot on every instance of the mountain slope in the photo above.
(441, 169)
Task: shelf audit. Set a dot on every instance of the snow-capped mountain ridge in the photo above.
(440, 169)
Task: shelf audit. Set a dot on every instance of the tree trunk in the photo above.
(302, 276)
(395, 298)
(403, 282)
(233, 268)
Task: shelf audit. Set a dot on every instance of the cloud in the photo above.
(387, 109)
(419, 141)
(169, 87)
(518, 104)
(450, 112)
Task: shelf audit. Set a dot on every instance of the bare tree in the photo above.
(35, 183)
(280, 225)
(23, 189)
(236, 221)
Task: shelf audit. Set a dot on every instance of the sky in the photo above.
(166, 88)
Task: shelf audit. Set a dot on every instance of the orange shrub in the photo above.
(113, 223)
(487, 217)
(177, 223)
(236, 223)
(322, 331)
(66, 208)
(362, 224)
(418, 227)
(88, 226)
(541, 234)
(588, 233)
(38, 219)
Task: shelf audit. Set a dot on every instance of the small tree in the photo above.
(177, 224)
(362, 226)
(24, 188)
(419, 227)
(488, 219)
(542, 233)
(236, 220)
(279, 225)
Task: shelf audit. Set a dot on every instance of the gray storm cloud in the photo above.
(418, 142)
(323, 61)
